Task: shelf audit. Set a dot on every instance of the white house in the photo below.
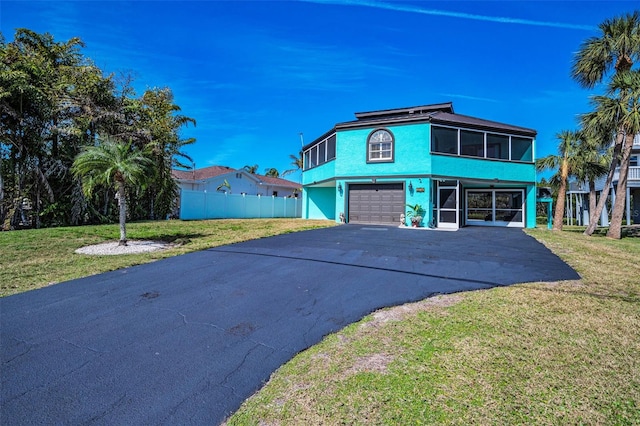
(240, 181)
(223, 192)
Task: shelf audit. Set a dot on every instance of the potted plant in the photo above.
(415, 213)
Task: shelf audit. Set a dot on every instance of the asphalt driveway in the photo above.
(186, 339)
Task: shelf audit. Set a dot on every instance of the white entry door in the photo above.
(447, 210)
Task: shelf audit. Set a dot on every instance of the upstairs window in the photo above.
(444, 139)
(380, 146)
(320, 153)
(479, 144)
(521, 149)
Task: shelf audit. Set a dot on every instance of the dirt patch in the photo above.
(376, 363)
(399, 313)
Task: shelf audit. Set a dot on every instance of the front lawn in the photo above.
(540, 353)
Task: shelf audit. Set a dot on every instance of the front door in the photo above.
(447, 205)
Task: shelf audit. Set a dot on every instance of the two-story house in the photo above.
(461, 170)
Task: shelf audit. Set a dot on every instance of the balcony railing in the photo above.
(634, 175)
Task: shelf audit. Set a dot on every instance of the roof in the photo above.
(213, 171)
(200, 174)
(436, 113)
(424, 109)
(278, 182)
(473, 122)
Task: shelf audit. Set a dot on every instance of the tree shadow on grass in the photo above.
(179, 238)
(632, 231)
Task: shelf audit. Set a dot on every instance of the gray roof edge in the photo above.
(420, 109)
(325, 135)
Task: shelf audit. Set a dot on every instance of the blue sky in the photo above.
(257, 74)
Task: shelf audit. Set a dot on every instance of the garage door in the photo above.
(376, 203)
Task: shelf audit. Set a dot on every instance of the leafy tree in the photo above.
(271, 172)
(162, 123)
(616, 49)
(53, 102)
(251, 169)
(565, 163)
(114, 164)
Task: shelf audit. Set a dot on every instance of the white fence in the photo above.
(196, 205)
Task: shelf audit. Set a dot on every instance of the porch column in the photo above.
(628, 202)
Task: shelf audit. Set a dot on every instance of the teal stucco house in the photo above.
(461, 170)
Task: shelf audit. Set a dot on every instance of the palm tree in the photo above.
(251, 169)
(296, 161)
(271, 172)
(224, 187)
(618, 116)
(592, 162)
(114, 164)
(565, 163)
(617, 48)
(627, 109)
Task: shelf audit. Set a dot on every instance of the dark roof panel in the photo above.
(423, 109)
(467, 121)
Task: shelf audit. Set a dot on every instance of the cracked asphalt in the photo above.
(185, 340)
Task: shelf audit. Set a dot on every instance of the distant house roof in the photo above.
(279, 182)
(213, 171)
(435, 113)
(200, 174)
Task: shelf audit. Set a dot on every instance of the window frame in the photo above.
(486, 147)
(391, 150)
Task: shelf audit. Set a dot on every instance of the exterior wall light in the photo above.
(340, 187)
(410, 187)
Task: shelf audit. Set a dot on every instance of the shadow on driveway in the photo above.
(186, 339)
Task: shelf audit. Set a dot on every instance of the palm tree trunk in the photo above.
(122, 203)
(562, 192)
(615, 227)
(592, 199)
(593, 220)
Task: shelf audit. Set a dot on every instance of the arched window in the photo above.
(380, 146)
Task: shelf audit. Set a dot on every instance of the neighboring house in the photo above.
(241, 182)
(200, 182)
(462, 170)
(632, 212)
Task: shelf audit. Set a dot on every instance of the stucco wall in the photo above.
(319, 203)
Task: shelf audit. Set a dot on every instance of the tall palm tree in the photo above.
(616, 49)
(565, 164)
(114, 164)
(627, 88)
(297, 163)
(271, 172)
(617, 115)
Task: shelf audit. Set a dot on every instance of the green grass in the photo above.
(36, 258)
(540, 353)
